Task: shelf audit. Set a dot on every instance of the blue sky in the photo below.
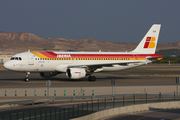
(106, 20)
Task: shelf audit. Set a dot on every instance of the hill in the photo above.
(14, 42)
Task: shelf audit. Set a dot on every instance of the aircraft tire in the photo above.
(92, 78)
(26, 79)
(89, 78)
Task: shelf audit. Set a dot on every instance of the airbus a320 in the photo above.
(78, 65)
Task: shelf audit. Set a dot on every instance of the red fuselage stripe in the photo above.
(53, 55)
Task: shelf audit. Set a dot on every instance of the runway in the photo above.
(153, 74)
(12, 79)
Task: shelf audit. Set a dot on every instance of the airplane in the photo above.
(78, 65)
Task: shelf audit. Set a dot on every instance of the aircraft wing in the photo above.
(111, 64)
(101, 65)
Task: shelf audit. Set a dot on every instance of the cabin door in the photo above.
(30, 59)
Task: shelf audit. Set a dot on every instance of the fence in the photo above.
(82, 105)
(44, 92)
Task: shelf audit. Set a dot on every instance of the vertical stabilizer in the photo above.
(149, 42)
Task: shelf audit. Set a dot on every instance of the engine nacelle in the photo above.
(75, 73)
(48, 74)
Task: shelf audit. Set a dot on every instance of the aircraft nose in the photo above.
(7, 65)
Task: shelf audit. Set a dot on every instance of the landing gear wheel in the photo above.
(92, 78)
(89, 78)
(26, 79)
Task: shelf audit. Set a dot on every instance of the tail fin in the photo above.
(149, 42)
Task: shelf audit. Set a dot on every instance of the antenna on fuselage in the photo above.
(29, 50)
(99, 50)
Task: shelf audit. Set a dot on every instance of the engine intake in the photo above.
(75, 73)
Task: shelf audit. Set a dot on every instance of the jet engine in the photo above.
(48, 74)
(75, 73)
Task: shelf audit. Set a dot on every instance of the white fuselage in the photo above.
(32, 63)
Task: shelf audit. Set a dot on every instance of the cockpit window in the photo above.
(12, 58)
(16, 58)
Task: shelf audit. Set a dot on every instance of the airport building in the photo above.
(4, 58)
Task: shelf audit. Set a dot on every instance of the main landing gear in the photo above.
(27, 77)
(92, 78)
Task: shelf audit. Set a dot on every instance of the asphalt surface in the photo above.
(153, 74)
(15, 79)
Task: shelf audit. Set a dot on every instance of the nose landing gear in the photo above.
(27, 77)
